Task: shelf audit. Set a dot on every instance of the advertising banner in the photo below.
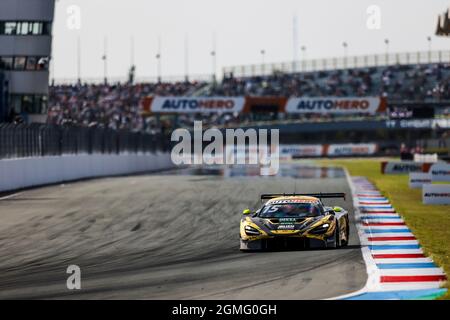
(294, 150)
(332, 150)
(418, 179)
(403, 167)
(197, 104)
(440, 172)
(359, 149)
(436, 193)
(335, 105)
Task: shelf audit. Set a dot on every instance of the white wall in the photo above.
(28, 172)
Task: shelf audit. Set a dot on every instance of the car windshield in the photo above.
(291, 210)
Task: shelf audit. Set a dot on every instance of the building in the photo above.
(3, 96)
(443, 27)
(25, 50)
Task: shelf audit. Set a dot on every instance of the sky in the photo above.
(241, 29)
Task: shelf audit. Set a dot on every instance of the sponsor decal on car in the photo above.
(293, 201)
(287, 220)
(286, 227)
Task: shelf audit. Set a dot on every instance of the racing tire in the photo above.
(347, 235)
(336, 242)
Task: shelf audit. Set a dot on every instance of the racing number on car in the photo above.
(271, 209)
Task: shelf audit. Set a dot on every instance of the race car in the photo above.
(295, 221)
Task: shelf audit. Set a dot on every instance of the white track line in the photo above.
(10, 196)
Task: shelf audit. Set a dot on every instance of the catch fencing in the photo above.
(337, 63)
(37, 140)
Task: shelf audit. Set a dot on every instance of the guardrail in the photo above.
(36, 140)
(377, 60)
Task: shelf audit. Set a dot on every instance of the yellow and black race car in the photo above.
(295, 221)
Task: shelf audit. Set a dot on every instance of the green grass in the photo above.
(429, 223)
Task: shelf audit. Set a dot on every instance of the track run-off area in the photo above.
(168, 235)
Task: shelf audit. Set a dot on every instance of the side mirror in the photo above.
(337, 209)
(246, 212)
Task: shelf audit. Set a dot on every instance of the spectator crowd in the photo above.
(398, 82)
(117, 106)
(114, 106)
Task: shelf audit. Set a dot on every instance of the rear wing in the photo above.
(316, 195)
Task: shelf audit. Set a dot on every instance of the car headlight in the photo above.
(250, 231)
(321, 229)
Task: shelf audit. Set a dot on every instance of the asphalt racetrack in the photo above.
(171, 235)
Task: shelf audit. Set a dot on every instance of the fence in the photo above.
(35, 140)
(378, 60)
(437, 145)
(139, 79)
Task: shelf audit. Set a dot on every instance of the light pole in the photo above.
(386, 42)
(79, 59)
(345, 45)
(429, 49)
(303, 48)
(132, 55)
(105, 61)
(263, 52)
(132, 70)
(213, 59)
(186, 58)
(158, 58)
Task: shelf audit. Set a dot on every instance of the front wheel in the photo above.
(335, 241)
(347, 235)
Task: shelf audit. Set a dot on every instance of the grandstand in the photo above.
(387, 99)
(416, 99)
(398, 83)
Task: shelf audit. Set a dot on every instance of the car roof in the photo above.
(299, 199)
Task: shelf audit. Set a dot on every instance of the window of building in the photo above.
(19, 63)
(23, 28)
(47, 28)
(31, 63)
(10, 28)
(16, 103)
(29, 103)
(37, 28)
(6, 63)
(42, 63)
(43, 104)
